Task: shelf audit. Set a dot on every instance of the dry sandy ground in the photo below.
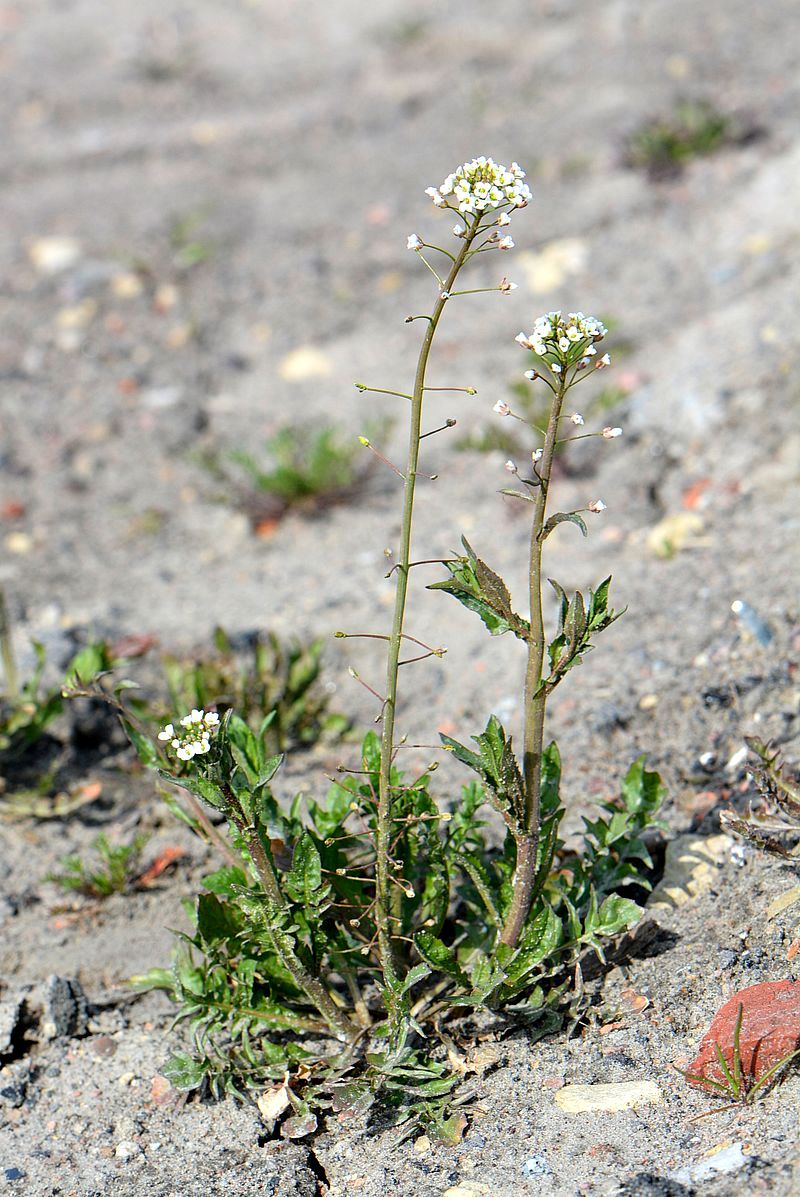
(292, 143)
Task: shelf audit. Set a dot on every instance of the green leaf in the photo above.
(86, 664)
(217, 920)
(371, 753)
(468, 758)
(226, 881)
(563, 517)
(518, 494)
(642, 792)
(616, 914)
(481, 590)
(304, 881)
(415, 975)
(439, 956)
(154, 978)
(185, 1072)
(541, 938)
(143, 746)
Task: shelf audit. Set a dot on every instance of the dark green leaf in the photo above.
(439, 956)
(215, 919)
(563, 517)
(143, 745)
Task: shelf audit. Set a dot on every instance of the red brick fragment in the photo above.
(770, 1030)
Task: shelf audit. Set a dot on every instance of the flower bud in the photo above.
(501, 408)
(611, 433)
(414, 242)
(597, 506)
(577, 418)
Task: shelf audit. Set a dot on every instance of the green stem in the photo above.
(264, 866)
(535, 698)
(383, 837)
(7, 651)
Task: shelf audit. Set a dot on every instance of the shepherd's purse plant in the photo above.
(339, 936)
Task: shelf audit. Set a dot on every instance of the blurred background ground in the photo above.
(206, 208)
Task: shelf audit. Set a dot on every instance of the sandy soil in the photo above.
(286, 149)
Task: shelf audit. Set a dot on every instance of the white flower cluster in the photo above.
(193, 734)
(481, 184)
(558, 336)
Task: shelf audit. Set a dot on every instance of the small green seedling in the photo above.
(188, 248)
(781, 794)
(662, 147)
(741, 1089)
(310, 468)
(116, 868)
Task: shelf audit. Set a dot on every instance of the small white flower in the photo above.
(414, 242)
(167, 733)
(505, 243)
(611, 433)
(555, 367)
(577, 418)
(602, 362)
(511, 466)
(537, 455)
(597, 506)
(501, 408)
(563, 344)
(523, 340)
(503, 220)
(531, 374)
(505, 286)
(459, 230)
(436, 196)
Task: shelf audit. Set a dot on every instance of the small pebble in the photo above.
(125, 1150)
(15, 1174)
(536, 1165)
(621, 1095)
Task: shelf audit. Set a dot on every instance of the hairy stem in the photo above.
(383, 905)
(535, 697)
(312, 986)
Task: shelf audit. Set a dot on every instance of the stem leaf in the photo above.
(563, 517)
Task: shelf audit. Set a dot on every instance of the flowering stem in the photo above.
(261, 856)
(383, 880)
(527, 838)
